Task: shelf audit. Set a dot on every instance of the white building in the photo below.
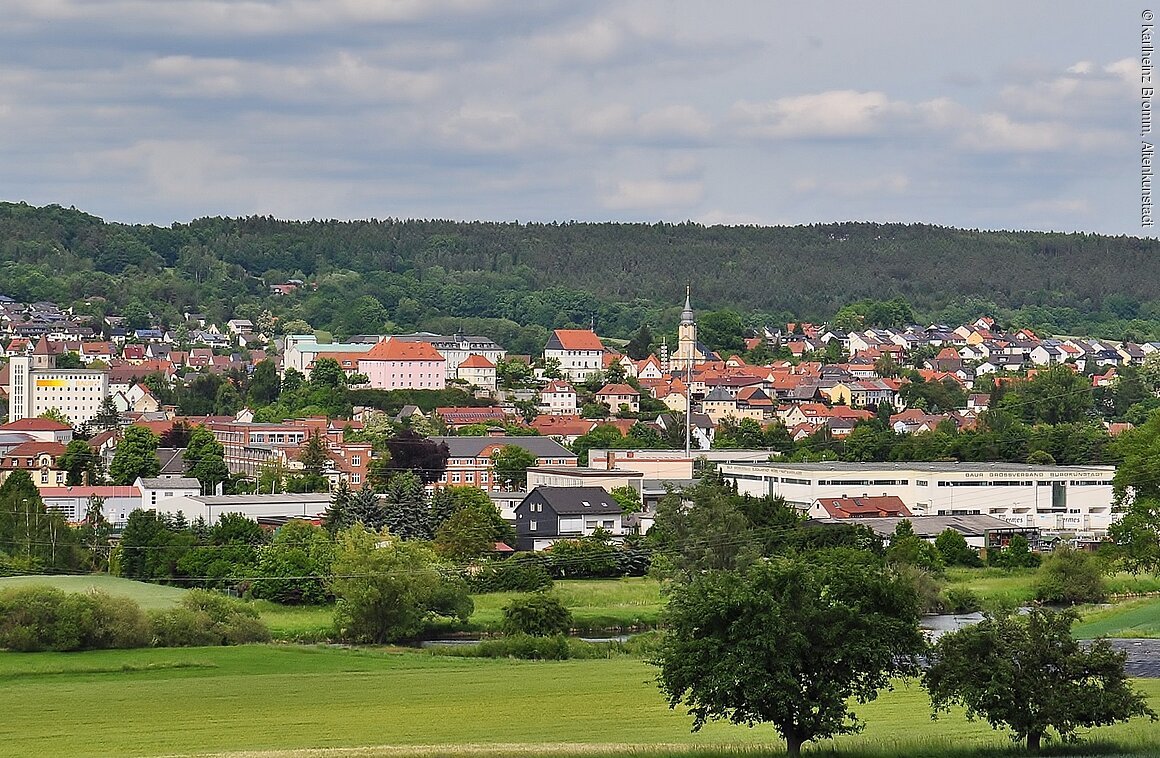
(578, 351)
(457, 348)
(558, 398)
(302, 350)
(155, 491)
(307, 505)
(1069, 499)
(36, 386)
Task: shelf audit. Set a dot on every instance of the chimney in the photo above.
(610, 461)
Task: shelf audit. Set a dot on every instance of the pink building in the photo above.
(394, 365)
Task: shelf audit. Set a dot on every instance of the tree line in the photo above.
(514, 282)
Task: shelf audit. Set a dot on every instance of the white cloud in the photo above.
(1127, 69)
(653, 194)
(835, 113)
(870, 187)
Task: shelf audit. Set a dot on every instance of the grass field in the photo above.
(595, 603)
(148, 596)
(1017, 586)
(1132, 618)
(277, 698)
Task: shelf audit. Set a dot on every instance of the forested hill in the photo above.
(554, 274)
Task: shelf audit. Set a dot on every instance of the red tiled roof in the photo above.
(397, 350)
(35, 425)
(578, 339)
(31, 449)
(617, 389)
(847, 507)
(476, 361)
(564, 426)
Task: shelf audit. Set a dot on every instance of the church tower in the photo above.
(686, 353)
(687, 331)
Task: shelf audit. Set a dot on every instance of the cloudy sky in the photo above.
(990, 114)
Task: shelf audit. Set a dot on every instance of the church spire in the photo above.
(687, 316)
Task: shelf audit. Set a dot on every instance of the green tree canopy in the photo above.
(1028, 674)
(510, 465)
(388, 589)
(136, 456)
(787, 643)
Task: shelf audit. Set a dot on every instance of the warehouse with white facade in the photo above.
(1072, 499)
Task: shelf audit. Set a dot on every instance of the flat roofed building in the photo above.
(1068, 499)
(582, 476)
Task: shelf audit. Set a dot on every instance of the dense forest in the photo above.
(514, 281)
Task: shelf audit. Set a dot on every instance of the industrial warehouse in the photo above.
(1054, 499)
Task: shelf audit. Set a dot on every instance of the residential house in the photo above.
(578, 351)
(558, 398)
(549, 514)
(840, 508)
(38, 459)
(566, 429)
(616, 396)
(477, 371)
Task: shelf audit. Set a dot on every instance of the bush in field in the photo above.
(955, 551)
(208, 618)
(389, 589)
(46, 618)
(538, 615)
(962, 600)
(1071, 576)
(527, 647)
(520, 573)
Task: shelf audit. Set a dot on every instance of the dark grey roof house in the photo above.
(548, 514)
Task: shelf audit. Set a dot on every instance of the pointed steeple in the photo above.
(687, 316)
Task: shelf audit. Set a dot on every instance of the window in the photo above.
(356, 460)
(531, 526)
(356, 478)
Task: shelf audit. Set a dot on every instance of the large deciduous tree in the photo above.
(410, 451)
(388, 588)
(1030, 675)
(1137, 493)
(787, 643)
(205, 460)
(136, 456)
(81, 463)
(510, 465)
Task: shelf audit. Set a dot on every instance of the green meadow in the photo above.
(270, 699)
(148, 596)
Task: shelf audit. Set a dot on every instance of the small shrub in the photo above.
(538, 615)
(962, 600)
(208, 618)
(516, 574)
(47, 618)
(526, 646)
(1071, 576)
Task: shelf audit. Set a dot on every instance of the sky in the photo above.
(986, 114)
